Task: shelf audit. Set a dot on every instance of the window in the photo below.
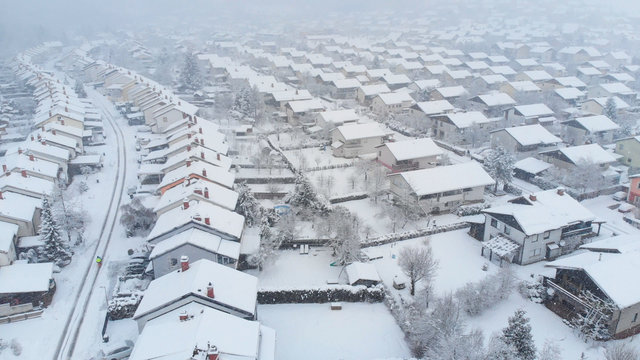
(507, 231)
(628, 160)
(536, 252)
(173, 262)
(635, 318)
(547, 234)
(494, 223)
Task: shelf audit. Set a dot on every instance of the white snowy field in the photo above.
(314, 331)
(314, 157)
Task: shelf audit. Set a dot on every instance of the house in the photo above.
(514, 88)
(25, 185)
(494, 104)
(23, 283)
(196, 244)
(201, 215)
(584, 281)
(281, 98)
(203, 282)
(597, 128)
(195, 191)
(43, 151)
(634, 189)
(195, 331)
(357, 139)
(571, 95)
(359, 273)
(334, 118)
(524, 140)
(469, 127)
(426, 109)
(344, 88)
(196, 170)
(409, 155)
(396, 81)
(366, 93)
(568, 157)
(398, 102)
(629, 148)
(543, 225)
(300, 111)
(530, 167)
(528, 114)
(442, 188)
(598, 105)
(614, 89)
(21, 210)
(8, 240)
(16, 163)
(449, 93)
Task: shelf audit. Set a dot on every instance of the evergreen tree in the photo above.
(269, 243)
(80, 89)
(518, 335)
(610, 109)
(499, 164)
(190, 78)
(54, 249)
(304, 195)
(247, 204)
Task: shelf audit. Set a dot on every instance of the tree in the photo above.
(304, 195)
(499, 164)
(247, 205)
(269, 243)
(585, 176)
(190, 77)
(550, 351)
(68, 214)
(80, 89)
(341, 227)
(497, 349)
(54, 249)
(518, 335)
(620, 351)
(611, 109)
(418, 263)
(136, 218)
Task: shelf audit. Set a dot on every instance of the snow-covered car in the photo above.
(119, 352)
(619, 196)
(140, 190)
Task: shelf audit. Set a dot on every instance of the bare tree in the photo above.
(418, 263)
(621, 351)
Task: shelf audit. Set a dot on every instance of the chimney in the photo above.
(188, 163)
(210, 291)
(61, 121)
(599, 259)
(218, 156)
(202, 154)
(184, 263)
(198, 191)
(532, 197)
(185, 204)
(188, 147)
(560, 191)
(19, 151)
(32, 138)
(213, 353)
(197, 217)
(31, 157)
(204, 172)
(66, 109)
(53, 131)
(23, 173)
(1, 197)
(183, 315)
(195, 120)
(50, 114)
(189, 136)
(43, 142)
(202, 142)
(188, 125)
(207, 221)
(200, 130)
(39, 137)
(206, 193)
(4, 168)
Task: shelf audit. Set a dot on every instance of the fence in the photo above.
(323, 294)
(389, 238)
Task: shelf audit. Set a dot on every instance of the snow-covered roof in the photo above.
(532, 134)
(289, 95)
(532, 165)
(589, 71)
(200, 239)
(396, 79)
(589, 152)
(465, 119)
(534, 110)
(452, 91)
(223, 221)
(361, 271)
(427, 84)
(18, 206)
(231, 288)
(538, 75)
(339, 116)
(602, 101)
(305, 105)
(501, 246)
(370, 90)
(17, 162)
(524, 86)
(346, 83)
(8, 231)
(198, 190)
(617, 88)
(395, 98)
(596, 123)
(494, 79)
(166, 337)
(571, 81)
(496, 99)
(34, 186)
(360, 131)
(435, 107)
(413, 149)
(25, 278)
(549, 211)
(570, 93)
(446, 178)
(615, 274)
(619, 244)
(213, 173)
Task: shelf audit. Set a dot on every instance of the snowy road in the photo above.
(69, 336)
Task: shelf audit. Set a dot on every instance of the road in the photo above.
(69, 336)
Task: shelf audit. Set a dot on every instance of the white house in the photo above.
(357, 139)
(528, 114)
(524, 140)
(597, 128)
(569, 157)
(442, 188)
(409, 155)
(8, 239)
(387, 103)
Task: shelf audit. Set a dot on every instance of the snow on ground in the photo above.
(314, 157)
(614, 218)
(314, 331)
(290, 269)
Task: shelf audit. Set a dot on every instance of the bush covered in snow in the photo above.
(475, 298)
(469, 210)
(533, 290)
(322, 294)
(124, 307)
